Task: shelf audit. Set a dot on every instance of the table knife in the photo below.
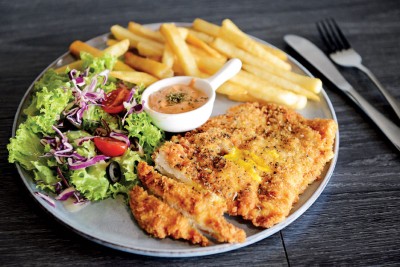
(322, 63)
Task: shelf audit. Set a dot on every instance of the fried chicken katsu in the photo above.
(203, 208)
(160, 220)
(258, 158)
(254, 162)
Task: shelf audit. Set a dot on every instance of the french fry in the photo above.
(74, 65)
(312, 84)
(243, 98)
(177, 68)
(118, 49)
(281, 82)
(168, 56)
(229, 88)
(152, 67)
(148, 50)
(230, 32)
(180, 49)
(192, 39)
(183, 32)
(121, 33)
(145, 32)
(277, 52)
(111, 42)
(202, 36)
(135, 77)
(155, 58)
(208, 65)
(232, 51)
(261, 89)
(236, 93)
(206, 27)
(78, 46)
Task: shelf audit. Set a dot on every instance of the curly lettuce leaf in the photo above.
(91, 181)
(25, 147)
(52, 95)
(93, 116)
(44, 176)
(140, 126)
(128, 162)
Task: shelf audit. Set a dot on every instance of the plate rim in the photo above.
(192, 250)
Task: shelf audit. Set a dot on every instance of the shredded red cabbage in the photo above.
(76, 165)
(46, 198)
(131, 105)
(67, 193)
(89, 95)
(121, 137)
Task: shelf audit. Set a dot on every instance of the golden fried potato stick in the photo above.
(135, 77)
(206, 27)
(145, 32)
(111, 42)
(244, 98)
(150, 66)
(148, 50)
(78, 46)
(121, 33)
(168, 56)
(282, 83)
(180, 49)
(312, 84)
(208, 65)
(277, 52)
(193, 40)
(229, 88)
(261, 89)
(202, 36)
(230, 32)
(230, 50)
(183, 32)
(118, 49)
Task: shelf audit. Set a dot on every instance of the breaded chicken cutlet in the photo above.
(259, 158)
(160, 220)
(204, 209)
(256, 158)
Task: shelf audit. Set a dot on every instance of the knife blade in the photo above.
(323, 64)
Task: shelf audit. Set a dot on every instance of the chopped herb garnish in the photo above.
(176, 98)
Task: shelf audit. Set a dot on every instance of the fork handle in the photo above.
(391, 131)
(392, 101)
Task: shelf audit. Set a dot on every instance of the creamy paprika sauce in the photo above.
(177, 98)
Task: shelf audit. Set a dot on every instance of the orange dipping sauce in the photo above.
(177, 98)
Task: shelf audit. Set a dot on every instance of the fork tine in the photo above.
(323, 32)
(343, 39)
(333, 34)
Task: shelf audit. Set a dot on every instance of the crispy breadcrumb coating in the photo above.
(259, 158)
(160, 220)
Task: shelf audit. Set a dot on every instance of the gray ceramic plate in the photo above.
(110, 222)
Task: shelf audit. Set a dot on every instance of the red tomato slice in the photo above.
(110, 146)
(113, 103)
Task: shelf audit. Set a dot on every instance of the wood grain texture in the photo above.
(354, 222)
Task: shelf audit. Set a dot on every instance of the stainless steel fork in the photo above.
(343, 54)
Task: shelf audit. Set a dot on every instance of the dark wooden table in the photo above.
(354, 222)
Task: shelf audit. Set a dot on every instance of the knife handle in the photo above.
(391, 131)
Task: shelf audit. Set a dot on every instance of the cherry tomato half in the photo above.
(113, 103)
(110, 146)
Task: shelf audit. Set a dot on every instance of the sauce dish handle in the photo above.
(230, 69)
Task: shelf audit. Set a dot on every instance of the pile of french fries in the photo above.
(146, 56)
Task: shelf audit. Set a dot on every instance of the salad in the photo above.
(84, 133)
